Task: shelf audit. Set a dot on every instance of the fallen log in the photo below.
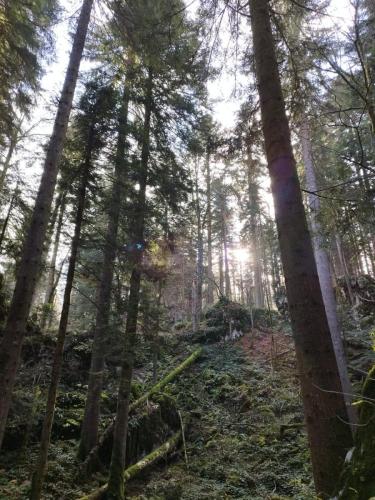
(168, 378)
(92, 461)
(133, 470)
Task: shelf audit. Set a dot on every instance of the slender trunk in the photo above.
(38, 477)
(344, 268)
(258, 284)
(31, 255)
(324, 272)
(221, 267)
(210, 276)
(226, 260)
(155, 347)
(253, 201)
(199, 264)
(116, 471)
(53, 292)
(90, 424)
(50, 288)
(324, 404)
(242, 290)
(234, 282)
(194, 323)
(6, 220)
(8, 158)
(39, 285)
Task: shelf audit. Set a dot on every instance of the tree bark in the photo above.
(33, 246)
(50, 288)
(221, 266)
(116, 470)
(210, 276)
(197, 303)
(324, 271)
(254, 236)
(324, 405)
(90, 424)
(38, 477)
(344, 268)
(8, 158)
(228, 292)
(6, 220)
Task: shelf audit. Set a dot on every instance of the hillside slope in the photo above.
(245, 438)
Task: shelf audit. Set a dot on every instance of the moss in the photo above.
(116, 490)
(225, 311)
(358, 476)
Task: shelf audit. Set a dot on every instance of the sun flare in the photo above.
(241, 254)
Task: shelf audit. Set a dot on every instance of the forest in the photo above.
(187, 249)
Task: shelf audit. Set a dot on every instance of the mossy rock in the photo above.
(210, 334)
(225, 311)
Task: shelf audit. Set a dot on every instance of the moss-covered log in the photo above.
(167, 379)
(92, 462)
(133, 470)
(359, 472)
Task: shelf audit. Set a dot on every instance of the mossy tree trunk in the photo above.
(32, 250)
(324, 405)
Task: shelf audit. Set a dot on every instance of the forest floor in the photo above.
(240, 399)
(243, 415)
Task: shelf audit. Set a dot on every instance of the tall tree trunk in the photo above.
(6, 220)
(12, 146)
(33, 246)
(90, 424)
(210, 276)
(194, 322)
(254, 237)
(324, 404)
(197, 309)
(155, 345)
(242, 289)
(38, 477)
(117, 466)
(221, 266)
(323, 268)
(344, 268)
(50, 288)
(234, 282)
(228, 292)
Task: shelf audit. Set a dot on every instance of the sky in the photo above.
(221, 91)
(225, 103)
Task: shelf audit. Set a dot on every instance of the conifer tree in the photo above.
(324, 404)
(33, 245)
